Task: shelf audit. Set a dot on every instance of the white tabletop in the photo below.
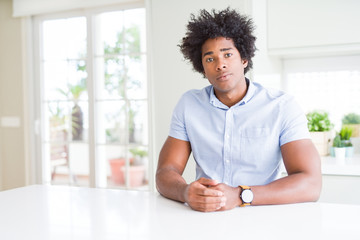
(60, 212)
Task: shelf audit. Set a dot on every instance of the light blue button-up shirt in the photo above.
(239, 145)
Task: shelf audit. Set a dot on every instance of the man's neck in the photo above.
(235, 96)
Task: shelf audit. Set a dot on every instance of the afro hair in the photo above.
(208, 25)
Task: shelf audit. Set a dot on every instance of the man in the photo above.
(237, 130)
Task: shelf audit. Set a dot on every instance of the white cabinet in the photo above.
(307, 25)
(340, 189)
(341, 182)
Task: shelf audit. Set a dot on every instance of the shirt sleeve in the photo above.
(294, 122)
(178, 125)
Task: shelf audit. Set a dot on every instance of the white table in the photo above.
(60, 212)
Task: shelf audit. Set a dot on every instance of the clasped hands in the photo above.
(207, 195)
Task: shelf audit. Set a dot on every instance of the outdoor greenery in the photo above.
(128, 41)
(318, 121)
(57, 117)
(138, 152)
(74, 92)
(115, 82)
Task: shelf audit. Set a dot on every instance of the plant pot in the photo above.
(349, 152)
(340, 154)
(117, 172)
(332, 152)
(321, 141)
(118, 169)
(137, 175)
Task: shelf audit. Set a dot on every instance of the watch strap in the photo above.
(242, 188)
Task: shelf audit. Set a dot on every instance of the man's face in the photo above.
(223, 66)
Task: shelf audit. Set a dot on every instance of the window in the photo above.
(93, 101)
(331, 84)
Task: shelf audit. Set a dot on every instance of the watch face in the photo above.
(247, 196)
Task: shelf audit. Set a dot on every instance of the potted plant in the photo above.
(352, 120)
(138, 155)
(345, 134)
(339, 149)
(136, 168)
(320, 127)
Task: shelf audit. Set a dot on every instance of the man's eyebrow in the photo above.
(225, 49)
(208, 53)
(221, 50)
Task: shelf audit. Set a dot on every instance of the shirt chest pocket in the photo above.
(255, 133)
(255, 146)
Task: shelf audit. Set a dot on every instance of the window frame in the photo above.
(327, 63)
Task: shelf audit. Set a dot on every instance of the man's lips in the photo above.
(223, 76)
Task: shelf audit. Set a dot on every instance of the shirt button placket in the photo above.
(227, 146)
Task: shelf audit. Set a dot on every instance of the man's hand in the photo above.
(202, 195)
(232, 195)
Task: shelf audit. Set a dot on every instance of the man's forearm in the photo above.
(297, 187)
(171, 184)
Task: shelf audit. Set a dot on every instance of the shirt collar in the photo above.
(248, 96)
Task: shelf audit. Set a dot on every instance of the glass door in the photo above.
(94, 101)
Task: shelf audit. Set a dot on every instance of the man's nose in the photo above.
(221, 65)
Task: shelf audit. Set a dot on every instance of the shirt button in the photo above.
(227, 160)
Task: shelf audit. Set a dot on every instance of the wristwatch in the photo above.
(246, 196)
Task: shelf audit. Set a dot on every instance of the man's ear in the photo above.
(244, 62)
(203, 73)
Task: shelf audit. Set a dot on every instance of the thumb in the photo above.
(207, 182)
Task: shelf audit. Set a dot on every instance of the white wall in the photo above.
(267, 69)
(12, 159)
(171, 75)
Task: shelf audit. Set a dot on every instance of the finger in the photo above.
(205, 191)
(211, 200)
(209, 205)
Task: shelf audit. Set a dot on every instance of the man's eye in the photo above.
(228, 54)
(209, 59)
